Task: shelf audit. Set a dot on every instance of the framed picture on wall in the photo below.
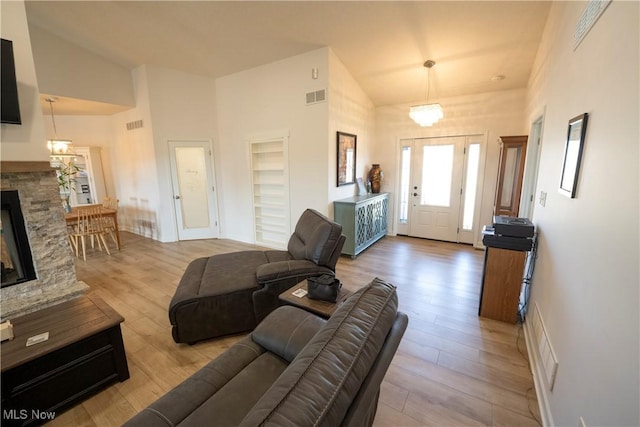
(346, 158)
(573, 155)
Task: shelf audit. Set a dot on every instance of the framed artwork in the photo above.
(346, 158)
(573, 154)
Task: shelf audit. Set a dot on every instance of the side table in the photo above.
(321, 308)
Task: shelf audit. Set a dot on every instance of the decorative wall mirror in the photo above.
(572, 155)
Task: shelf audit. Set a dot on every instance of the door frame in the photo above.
(531, 166)
(477, 212)
(434, 229)
(207, 144)
(480, 137)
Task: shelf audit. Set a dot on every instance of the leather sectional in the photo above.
(294, 369)
(230, 293)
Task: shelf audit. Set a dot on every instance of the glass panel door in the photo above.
(437, 173)
(193, 189)
(437, 183)
(438, 188)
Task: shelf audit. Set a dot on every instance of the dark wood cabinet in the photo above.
(84, 354)
(501, 284)
(510, 175)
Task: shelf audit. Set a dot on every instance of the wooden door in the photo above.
(510, 175)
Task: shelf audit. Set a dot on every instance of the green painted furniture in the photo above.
(363, 220)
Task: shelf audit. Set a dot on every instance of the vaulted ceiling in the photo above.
(382, 44)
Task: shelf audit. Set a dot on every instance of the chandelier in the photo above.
(426, 114)
(59, 148)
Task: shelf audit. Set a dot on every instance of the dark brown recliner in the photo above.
(294, 369)
(230, 293)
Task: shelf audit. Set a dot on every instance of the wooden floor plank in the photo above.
(452, 367)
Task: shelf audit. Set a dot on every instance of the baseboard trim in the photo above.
(538, 376)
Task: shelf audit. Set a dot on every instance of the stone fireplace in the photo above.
(46, 230)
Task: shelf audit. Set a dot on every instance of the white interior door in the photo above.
(193, 189)
(436, 187)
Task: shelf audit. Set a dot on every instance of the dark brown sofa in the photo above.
(294, 369)
(230, 293)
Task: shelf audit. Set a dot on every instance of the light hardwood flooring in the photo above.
(452, 368)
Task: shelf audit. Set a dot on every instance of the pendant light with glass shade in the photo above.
(426, 114)
(60, 149)
(61, 157)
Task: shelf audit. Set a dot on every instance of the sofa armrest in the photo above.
(276, 277)
(172, 408)
(282, 270)
(286, 331)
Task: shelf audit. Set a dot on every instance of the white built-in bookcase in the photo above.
(270, 185)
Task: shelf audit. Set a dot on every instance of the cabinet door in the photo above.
(361, 226)
(501, 284)
(380, 207)
(510, 175)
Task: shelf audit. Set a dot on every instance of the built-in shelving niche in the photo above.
(270, 184)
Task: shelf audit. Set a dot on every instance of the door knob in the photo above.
(177, 197)
(416, 194)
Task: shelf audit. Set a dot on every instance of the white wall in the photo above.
(271, 98)
(493, 114)
(586, 277)
(350, 111)
(182, 109)
(173, 105)
(134, 161)
(88, 131)
(26, 142)
(67, 69)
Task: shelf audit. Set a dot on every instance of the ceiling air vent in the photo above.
(317, 96)
(137, 124)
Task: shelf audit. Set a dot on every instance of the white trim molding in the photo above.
(537, 369)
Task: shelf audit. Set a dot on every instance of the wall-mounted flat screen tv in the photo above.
(10, 107)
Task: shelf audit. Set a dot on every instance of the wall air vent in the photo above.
(587, 20)
(316, 97)
(137, 124)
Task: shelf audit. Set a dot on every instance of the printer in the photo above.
(509, 233)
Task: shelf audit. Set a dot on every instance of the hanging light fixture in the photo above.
(59, 148)
(426, 114)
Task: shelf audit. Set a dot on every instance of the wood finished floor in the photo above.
(452, 368)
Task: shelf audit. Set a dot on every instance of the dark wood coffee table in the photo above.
(321, 308)
(83, 354)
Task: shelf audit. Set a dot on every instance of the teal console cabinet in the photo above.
(363, 220)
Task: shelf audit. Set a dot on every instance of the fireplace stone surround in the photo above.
(53, 259)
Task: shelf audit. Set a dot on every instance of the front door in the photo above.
(439, 183)
(193, 189)
(435, 190)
